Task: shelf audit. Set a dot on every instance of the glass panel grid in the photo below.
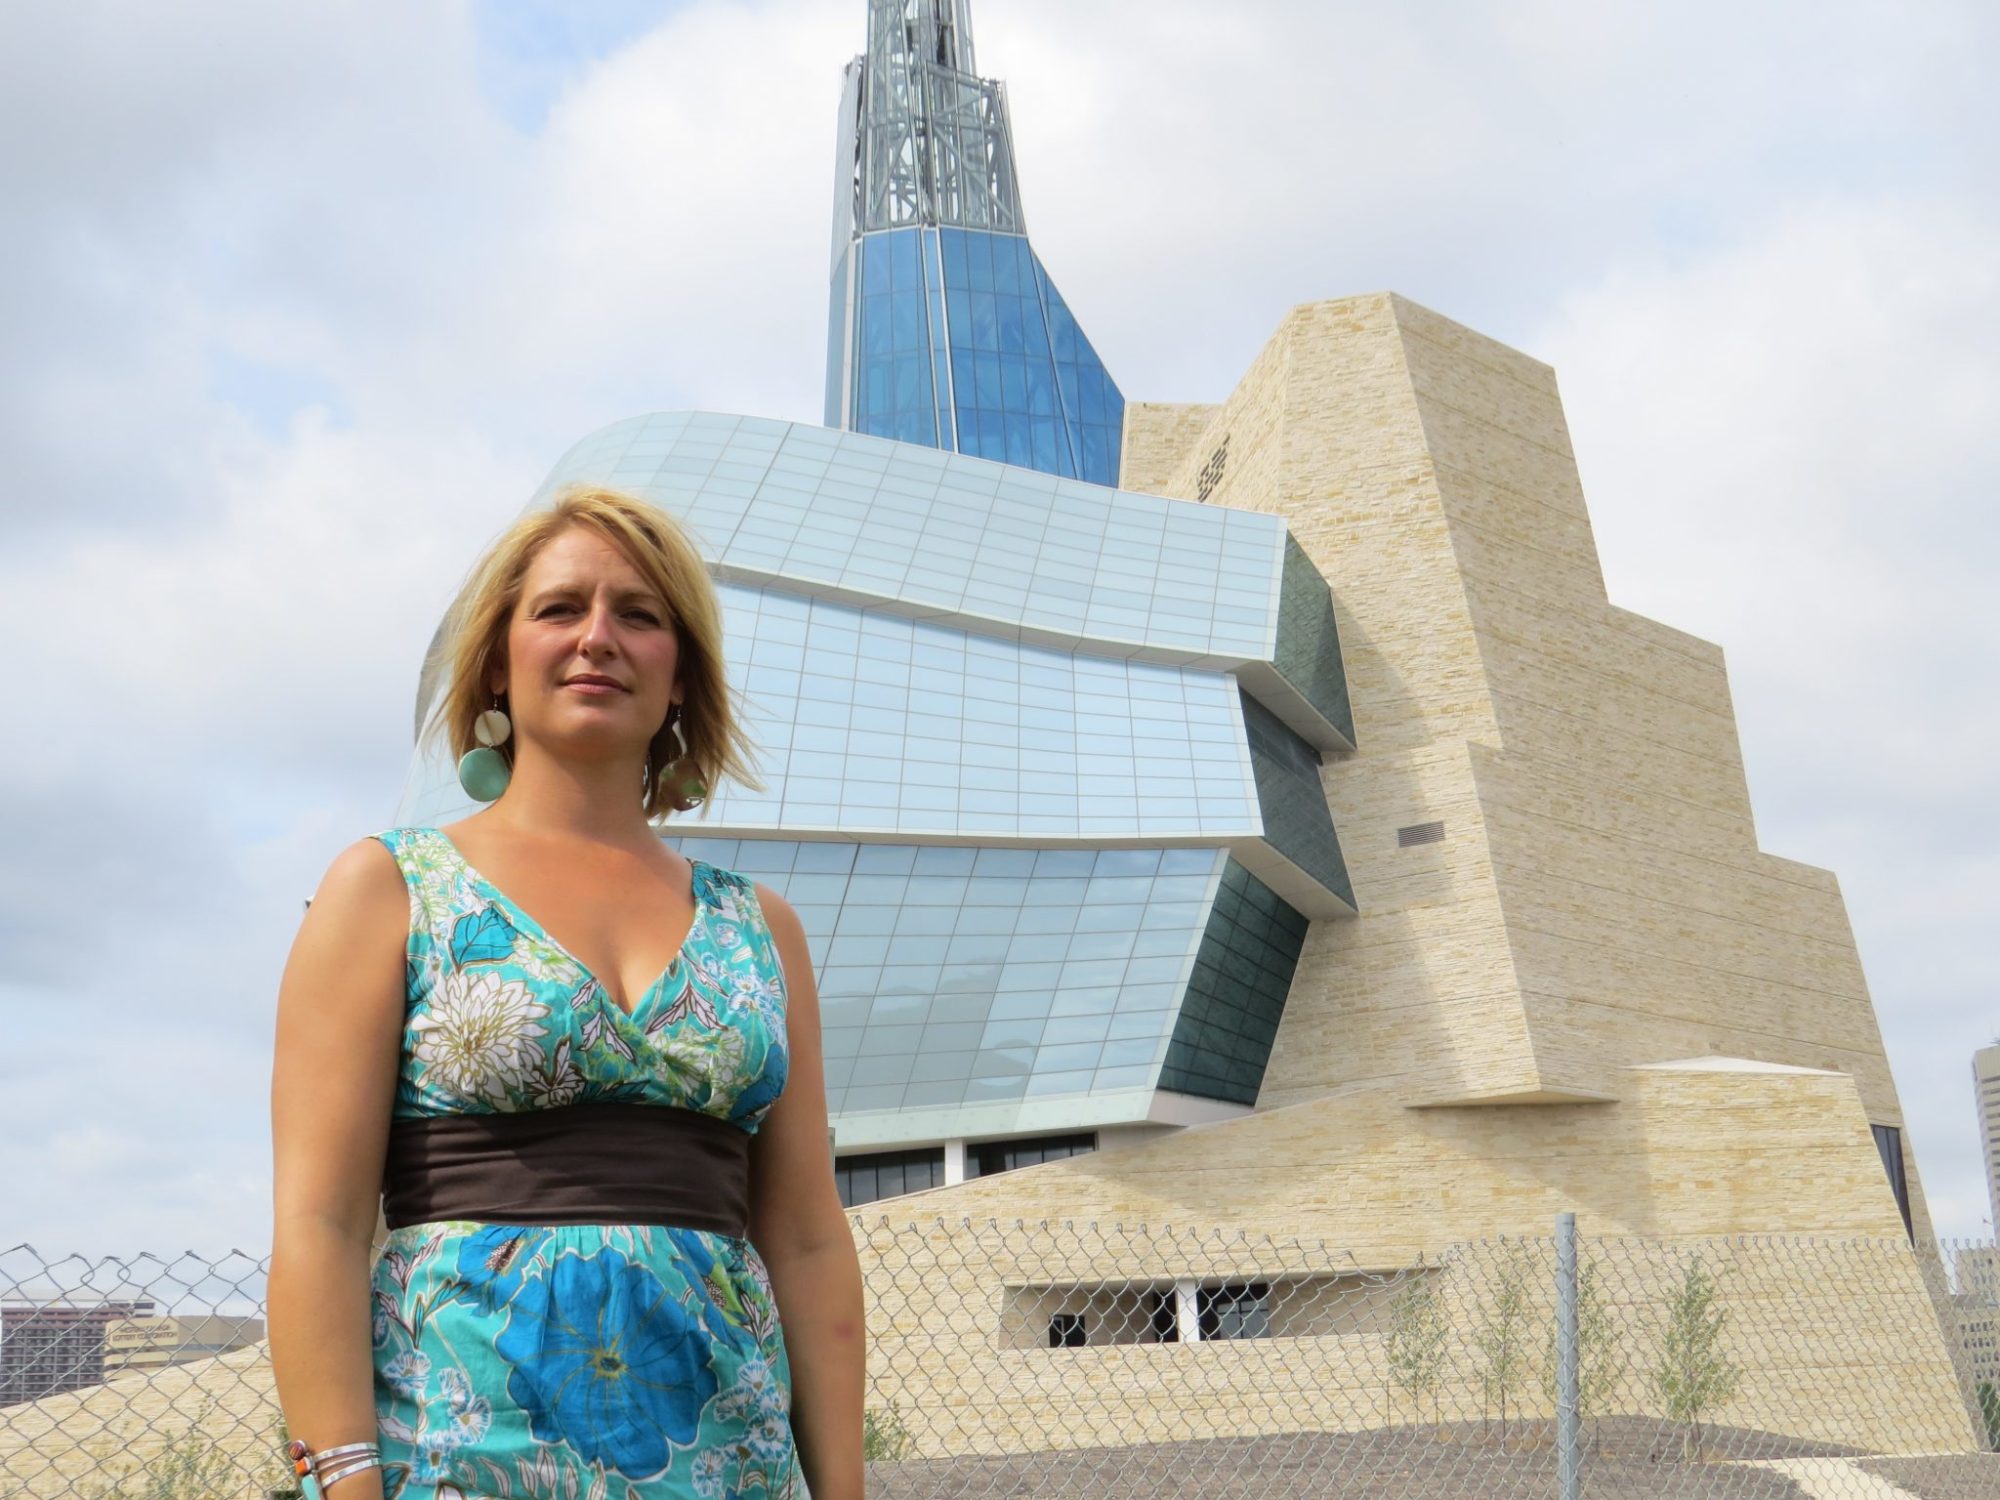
(751, 503)
(1019, 978)
(887, 724)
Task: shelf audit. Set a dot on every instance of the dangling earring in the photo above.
(690, 791)
(484, 772)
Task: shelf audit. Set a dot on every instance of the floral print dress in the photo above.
(579, 1362)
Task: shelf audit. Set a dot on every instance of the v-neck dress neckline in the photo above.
(478, 878)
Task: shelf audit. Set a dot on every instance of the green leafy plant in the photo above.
(1505, 1333)
(1694, 1375)
(1601, 1361)
(1989, 1408)
(884, 1438)
(1419, 1333)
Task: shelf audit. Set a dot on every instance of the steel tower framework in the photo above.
(927, 139)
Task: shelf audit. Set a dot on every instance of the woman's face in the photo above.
(586, 613)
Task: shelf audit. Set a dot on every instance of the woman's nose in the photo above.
(597, 628)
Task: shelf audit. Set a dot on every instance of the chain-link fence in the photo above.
(1079, 1360)
(139, 1379)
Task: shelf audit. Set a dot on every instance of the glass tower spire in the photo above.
(945, 328)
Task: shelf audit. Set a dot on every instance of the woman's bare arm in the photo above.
(801, 1232)
(340, 1019)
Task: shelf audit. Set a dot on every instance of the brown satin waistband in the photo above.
(579, 1164)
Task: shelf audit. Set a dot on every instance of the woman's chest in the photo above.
(502, 1018)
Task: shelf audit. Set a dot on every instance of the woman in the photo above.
(580, 1073)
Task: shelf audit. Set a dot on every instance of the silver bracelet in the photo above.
(345, 1450)
(358, 1465)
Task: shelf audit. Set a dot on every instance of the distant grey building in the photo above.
(50, 1347)
(1986, 1094)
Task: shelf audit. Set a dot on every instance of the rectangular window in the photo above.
(988, 1157)
(1239, 1310)
(1066, 1331)
(867, 1176)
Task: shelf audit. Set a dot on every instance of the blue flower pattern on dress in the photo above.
(609, 1364)
(600, 1362)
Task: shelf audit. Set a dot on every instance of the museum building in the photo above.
(1252, 813)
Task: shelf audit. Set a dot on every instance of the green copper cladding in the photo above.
(1236, 996)
(1308, 652)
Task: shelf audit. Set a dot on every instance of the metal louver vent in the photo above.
(1211, 472)
(1420, 833)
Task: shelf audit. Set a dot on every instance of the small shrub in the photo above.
(188, 1466)
(1503, 1338)
(1694, 1375)
(884, 1438)
(1419, 1333)
(1600, 1359)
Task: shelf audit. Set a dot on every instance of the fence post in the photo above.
(1568, 1447)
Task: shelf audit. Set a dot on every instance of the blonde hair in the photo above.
(658, 547)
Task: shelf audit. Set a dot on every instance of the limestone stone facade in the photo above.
(1599, 900)
(1595, 992)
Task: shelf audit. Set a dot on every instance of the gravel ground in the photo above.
(1949, 1476)
(1626, 1458)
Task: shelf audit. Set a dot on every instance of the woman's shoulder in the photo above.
(378, 849)
(368, 874)
(401, 859)
(399, 838)
(418, 848)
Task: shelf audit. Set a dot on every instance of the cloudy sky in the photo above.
(298, 303)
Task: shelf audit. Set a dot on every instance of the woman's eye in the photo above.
(645, 614)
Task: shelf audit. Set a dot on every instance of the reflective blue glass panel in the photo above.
(894, 392)
(962, 341)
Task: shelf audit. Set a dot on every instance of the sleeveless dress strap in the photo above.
(418, 944)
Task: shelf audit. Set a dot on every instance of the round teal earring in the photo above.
(484, 772)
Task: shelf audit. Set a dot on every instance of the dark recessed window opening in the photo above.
(864, 1177)
(1239, 1310)
(1420, 833)
(1066, 1331)
(984, 1158)
(1164, 1311)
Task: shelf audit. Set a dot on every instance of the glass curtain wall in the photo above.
(963, 342)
